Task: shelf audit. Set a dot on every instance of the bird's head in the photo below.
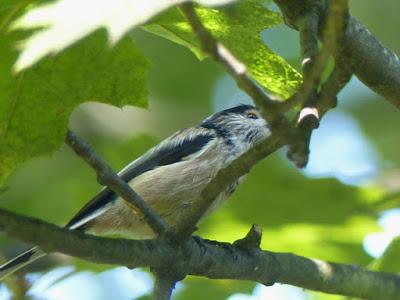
(241, 125)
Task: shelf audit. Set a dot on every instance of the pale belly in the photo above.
(170, 190)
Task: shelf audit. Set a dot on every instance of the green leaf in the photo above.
(35, 105)
(227, 25)
(66, 21)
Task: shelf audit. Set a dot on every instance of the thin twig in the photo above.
(226, 176)
(337, 23)
(333, 36)
(377, 66)
(336, 81)
(315, 103)
(313, 61)
(106, 176)
(308, 29)
(238, 70)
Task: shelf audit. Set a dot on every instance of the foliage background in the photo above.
(325, 211)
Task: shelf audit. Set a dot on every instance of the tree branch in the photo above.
(224, 177)
(313, 62)
(316, 100)
(374, 64)
(208, 258)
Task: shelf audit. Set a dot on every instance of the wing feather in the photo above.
(178, 147)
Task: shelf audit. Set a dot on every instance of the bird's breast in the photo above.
(171, 191)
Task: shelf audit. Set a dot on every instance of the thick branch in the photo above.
(208, 258)
(374, 64)
(106, 176)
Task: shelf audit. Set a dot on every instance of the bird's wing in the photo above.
(174, 149)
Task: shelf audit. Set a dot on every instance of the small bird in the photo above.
(169, 177)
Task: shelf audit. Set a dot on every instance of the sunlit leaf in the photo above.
(226, 24)
(66, 21)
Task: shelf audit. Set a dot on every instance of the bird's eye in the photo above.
(252, 115)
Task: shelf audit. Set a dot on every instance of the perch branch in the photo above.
(375, 65)
(211, 259)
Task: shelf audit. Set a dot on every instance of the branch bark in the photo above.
(211, 259)
(375, 65)
(328, 20)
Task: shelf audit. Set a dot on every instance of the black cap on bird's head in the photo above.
(242, 121)
(241, 109)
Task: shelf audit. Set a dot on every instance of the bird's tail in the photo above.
(20, 261)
